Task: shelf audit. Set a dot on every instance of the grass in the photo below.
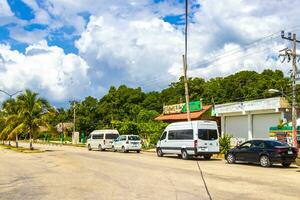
(21, 149)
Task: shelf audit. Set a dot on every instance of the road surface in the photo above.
(75, 173)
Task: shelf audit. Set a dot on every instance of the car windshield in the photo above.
(110, 136)
(276, 143)
(133, 137)
(207, 134)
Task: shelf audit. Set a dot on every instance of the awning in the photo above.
(183, 116)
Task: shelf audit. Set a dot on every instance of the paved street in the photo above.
(75, 173)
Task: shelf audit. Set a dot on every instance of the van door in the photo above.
(163, 141)
(208, 140)
(94, 139)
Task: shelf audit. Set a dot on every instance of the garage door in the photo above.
(262, 123)
(237, 126)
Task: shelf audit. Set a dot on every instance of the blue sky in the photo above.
(71, 49)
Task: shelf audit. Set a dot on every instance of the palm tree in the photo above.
(11, 112)
(33, 112)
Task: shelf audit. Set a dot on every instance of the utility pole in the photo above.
(292, 53)
(187, 97)
(74, 117)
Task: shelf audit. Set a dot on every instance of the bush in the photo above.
(225, 143)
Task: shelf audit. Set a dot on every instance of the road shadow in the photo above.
(274, 166)
(193, 158)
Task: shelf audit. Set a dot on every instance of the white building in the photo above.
(252, 119)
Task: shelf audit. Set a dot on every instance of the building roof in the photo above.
(182, 116)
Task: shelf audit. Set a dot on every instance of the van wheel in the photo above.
(138, 151)
(207, 157)
(159, 152)
(184, 154)
(100, 147)
(113, 149)
(89, 147)
(265, 161)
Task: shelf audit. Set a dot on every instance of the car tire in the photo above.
(89, 147)
(230, 158)
(138, 151)
(124, 150)
(100, 147)
(207, 157)
(113, 149)
(264, 161)
(159, 152)
(184, 154)
(286, 164)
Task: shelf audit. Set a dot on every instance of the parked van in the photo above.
(186, 139)
(101, 139)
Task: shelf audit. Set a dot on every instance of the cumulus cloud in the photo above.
(47, 69)
(129, 41)
(137, 48)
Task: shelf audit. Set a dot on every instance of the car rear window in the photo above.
(276, 143)
(111, 136)
(207, 134)
(133, 137)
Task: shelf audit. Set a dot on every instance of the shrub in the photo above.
(225, 143)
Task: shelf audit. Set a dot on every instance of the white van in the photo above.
(101, 139)
(186, 139)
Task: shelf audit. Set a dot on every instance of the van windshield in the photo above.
(207, 134)
(133, 137)
(111, 136)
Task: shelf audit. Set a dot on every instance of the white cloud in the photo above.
(141, 49)
(5, 9)
(128, 42)
(44, 68)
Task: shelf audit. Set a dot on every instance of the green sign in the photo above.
(194, 106)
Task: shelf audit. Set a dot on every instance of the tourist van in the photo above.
(186, 139)
(101, 139)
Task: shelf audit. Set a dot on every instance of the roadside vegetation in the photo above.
(130, 110)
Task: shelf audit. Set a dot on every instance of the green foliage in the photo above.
(225, 143)
(132, 111)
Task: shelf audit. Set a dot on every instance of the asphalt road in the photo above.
(75, 173)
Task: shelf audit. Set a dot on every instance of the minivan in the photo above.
(187, 139)
(101, 139)
(127, 143)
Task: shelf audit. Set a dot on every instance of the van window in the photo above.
(163, 136)
(111, 136)
(97, 136)
(207, 134)
(181, 134)
(133, 137)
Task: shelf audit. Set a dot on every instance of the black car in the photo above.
(265, 152)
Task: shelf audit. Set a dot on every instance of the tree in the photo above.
(34, 112)
(10, 110)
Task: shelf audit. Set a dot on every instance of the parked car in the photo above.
(127, 143)
(186, 139)
(101, 139)
(265, 152)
